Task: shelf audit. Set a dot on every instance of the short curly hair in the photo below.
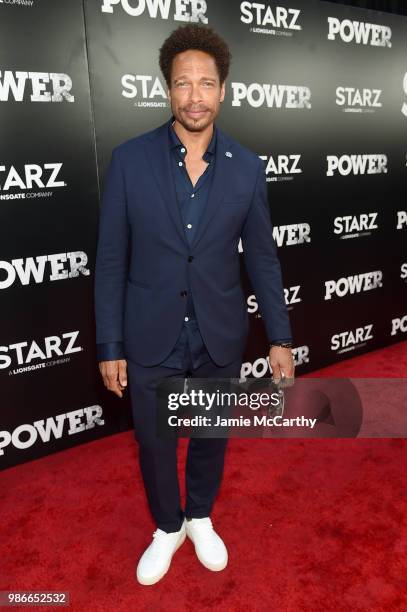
(195, 36)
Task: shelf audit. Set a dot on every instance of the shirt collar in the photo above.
(176, 142)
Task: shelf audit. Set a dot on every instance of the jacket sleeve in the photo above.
(111, 263)
(262, 263)
(110, 351)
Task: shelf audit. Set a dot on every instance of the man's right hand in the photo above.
(114, 374)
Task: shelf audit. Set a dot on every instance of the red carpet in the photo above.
(311, 525)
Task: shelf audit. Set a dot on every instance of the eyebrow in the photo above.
(184, 76)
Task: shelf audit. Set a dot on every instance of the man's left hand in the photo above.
(281, 362)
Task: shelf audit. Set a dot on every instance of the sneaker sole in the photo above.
(157, 577)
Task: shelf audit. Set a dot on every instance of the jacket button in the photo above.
(183, 293)
(190, 258)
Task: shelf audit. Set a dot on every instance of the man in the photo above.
(169, 301)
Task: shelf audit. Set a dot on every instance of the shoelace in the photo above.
(206, 532)
(159, 537)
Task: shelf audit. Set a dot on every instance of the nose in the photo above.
(196, 95)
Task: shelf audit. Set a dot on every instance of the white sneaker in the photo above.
(209, 547)
(156, 559)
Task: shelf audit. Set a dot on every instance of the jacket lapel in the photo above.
(158, 152)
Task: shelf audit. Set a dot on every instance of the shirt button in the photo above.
(189, 226)
(186, 318)
(182, 150)
(179, 163)
(192, 195)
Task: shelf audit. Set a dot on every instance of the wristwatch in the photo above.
(283, 344)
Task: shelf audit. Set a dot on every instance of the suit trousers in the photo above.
(158, 455)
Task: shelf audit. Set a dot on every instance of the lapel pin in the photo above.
(228, 154)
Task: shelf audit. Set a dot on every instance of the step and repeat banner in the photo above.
(51, 396)
(318, 90)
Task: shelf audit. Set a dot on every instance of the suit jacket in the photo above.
(143, 258)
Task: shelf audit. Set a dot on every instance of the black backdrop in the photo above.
(392, 6)
(77, 78)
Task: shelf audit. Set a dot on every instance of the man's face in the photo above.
(195, 92)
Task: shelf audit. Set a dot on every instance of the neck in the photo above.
(195, 142)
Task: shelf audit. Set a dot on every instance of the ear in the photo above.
(222, 92)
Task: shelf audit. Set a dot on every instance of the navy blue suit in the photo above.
(167, 289)
(145, 263)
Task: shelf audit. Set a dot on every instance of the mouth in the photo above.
(195, 114)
